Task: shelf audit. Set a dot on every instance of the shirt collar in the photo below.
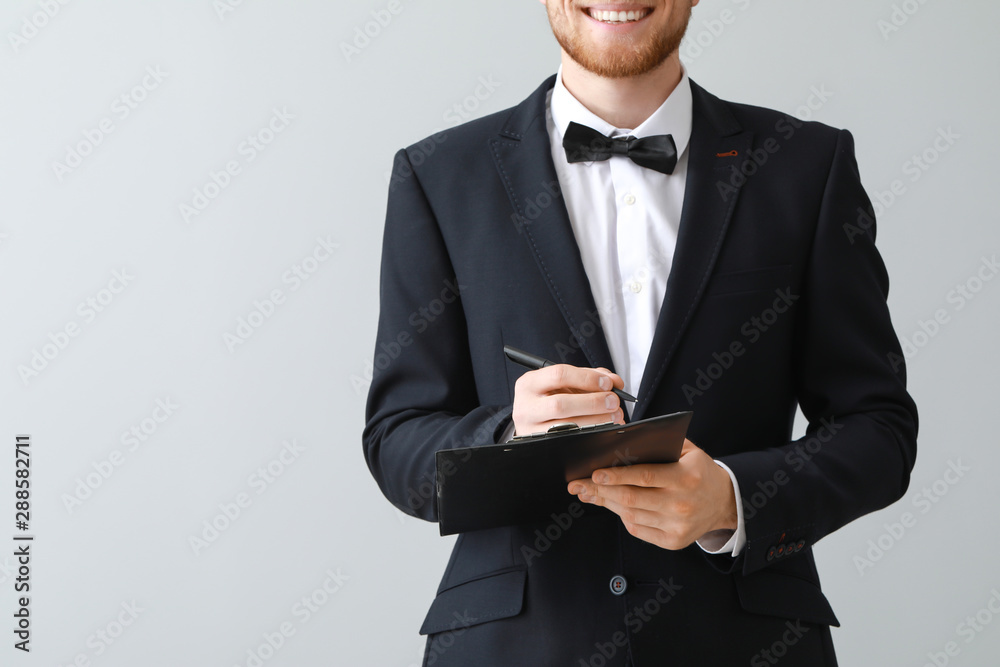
(673, 117)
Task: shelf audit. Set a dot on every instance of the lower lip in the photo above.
(618, 27)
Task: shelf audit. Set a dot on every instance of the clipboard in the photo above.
(524, 481)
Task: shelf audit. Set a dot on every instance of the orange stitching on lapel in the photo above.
(729, 154)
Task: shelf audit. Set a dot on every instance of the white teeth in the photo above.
(617, 17)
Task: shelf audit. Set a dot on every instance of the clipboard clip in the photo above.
(568, 427)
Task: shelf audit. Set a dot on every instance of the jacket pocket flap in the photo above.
(477, 601)
(775, 594)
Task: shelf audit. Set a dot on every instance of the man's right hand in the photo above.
(562, 393)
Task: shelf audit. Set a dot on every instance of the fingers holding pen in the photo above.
(563, 393)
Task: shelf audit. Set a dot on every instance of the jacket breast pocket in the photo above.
(489, 598)
(768, 278)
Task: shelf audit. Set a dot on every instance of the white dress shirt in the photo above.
(625, 219)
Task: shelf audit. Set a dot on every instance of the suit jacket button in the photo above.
(618, 584)
(781, 550)
(770, 553)
(800, 545)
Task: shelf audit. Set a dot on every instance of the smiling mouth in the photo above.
(618, 18)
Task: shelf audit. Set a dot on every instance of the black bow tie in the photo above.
(585, 144)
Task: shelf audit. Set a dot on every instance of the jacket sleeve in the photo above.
(423, 394)
(860, 444)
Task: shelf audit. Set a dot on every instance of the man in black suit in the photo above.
(728, 268)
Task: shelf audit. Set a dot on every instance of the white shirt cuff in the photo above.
(727, 541)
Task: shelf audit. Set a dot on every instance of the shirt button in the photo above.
(630, 199)
(618, 584)
(636, 286)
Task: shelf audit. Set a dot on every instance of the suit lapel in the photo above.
(709, 199)
(522, 153)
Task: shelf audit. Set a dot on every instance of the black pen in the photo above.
(535, 362)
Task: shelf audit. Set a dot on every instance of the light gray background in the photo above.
(324, 175)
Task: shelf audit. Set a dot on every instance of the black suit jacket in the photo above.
(776, 297)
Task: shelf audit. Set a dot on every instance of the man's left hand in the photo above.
(670, 505)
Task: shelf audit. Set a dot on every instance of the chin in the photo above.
(619, 50)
